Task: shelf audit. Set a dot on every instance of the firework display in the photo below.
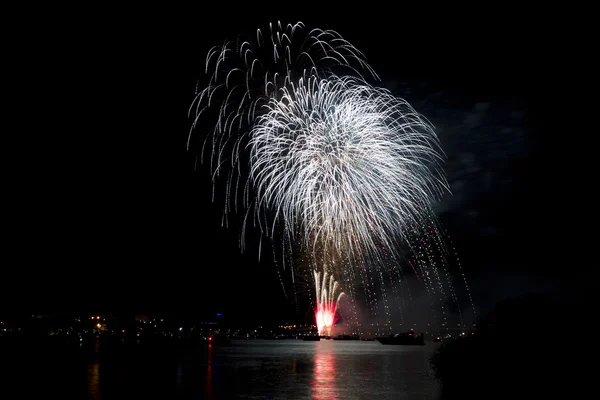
(322, 161)
(346, 164)
(326, 302)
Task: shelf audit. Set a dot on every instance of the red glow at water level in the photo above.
(327, 302)
(326, 317)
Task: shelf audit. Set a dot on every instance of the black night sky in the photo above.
(105, 210)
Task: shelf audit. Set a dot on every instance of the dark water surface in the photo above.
(255, 369)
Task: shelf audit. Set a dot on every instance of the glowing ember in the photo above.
(327, 303)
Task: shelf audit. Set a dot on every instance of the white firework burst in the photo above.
(343, 164)
(347, 165)
(246, 74)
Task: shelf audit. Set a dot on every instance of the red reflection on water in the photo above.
(208, 389)
(323, 384)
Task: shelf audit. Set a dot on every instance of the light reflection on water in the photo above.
(93, 383)
(287, 369)
(320, 370)
(208, 389)
(324, 375)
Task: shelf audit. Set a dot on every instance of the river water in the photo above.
(252, 369)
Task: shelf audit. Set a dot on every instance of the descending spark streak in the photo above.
(327, 302)
(349, 164)
(335, 160)
(244, 77)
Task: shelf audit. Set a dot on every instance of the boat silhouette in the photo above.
(407, 338)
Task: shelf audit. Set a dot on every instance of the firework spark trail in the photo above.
(350, 278)
(322, 141)
(247, 74)
(327, 302)
(397, 283)
(351, 164)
